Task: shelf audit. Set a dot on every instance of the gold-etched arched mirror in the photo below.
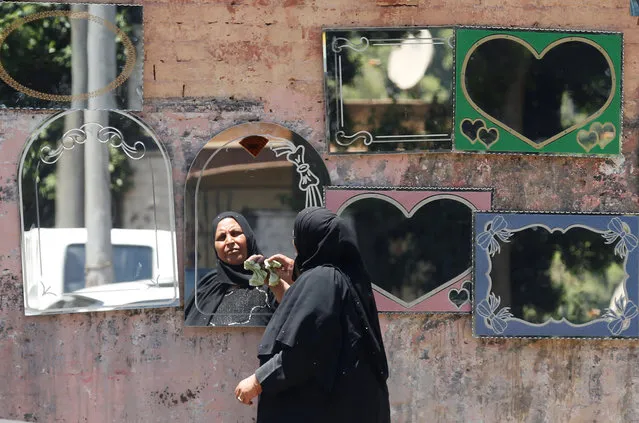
(264, 174)
(97, 215)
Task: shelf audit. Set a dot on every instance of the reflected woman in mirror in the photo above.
(322, 355)
(224, 296)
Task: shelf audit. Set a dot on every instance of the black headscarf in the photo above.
(324, 240)
(212, 287)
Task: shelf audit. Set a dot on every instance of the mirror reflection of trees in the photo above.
(410, 257)
(382, 97)
(50, 55)
(538, 98)
(542, 275)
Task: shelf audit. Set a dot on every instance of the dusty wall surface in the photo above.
(261, 60)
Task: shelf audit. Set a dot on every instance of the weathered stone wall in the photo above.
(213, 64)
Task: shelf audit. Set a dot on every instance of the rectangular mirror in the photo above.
(388, 89)
(556, 275)
(531, 91)
(71, 56)
(415, 243)
(97, 215)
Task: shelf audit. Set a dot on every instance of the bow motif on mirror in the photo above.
(308, 182)
(620, 317)
(486, 308)
(496, 229)
(627, 241)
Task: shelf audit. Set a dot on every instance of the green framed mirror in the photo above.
(538, 91)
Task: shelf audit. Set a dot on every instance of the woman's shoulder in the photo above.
(323, 269)
(324, 274)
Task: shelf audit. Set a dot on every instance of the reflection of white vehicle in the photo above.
(144, 265)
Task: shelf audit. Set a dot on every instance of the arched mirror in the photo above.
(97, 215)
(266, 174)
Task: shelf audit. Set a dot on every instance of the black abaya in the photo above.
(227, 287)
(322, 354)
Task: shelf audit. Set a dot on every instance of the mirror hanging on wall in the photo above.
(538, 91)
(97, 215)
(248, 182)
(558, 275)
(389, 89)
(415, 243)
(71, 56)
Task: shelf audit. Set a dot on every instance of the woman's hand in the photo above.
(259, 259)
(286, 271)
(248, 389)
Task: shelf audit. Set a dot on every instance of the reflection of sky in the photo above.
(634, 7)
(408, 63)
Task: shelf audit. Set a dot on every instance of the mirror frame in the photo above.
(486, 305)
(409, 200)
(538, 41)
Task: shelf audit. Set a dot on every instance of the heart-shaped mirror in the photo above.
(538, 96)
(408, 256)
(414, 242)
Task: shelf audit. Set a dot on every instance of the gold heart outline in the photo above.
(585, 146)
(539, 56)
(599, 141)
(603, 143)
(472, 122)
(487, 129)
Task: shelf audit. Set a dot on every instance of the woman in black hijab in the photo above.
(322, 355)
(224, 297)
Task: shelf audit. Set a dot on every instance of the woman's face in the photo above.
(230, 242)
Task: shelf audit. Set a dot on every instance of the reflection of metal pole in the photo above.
(101, 62)
(69, 200)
